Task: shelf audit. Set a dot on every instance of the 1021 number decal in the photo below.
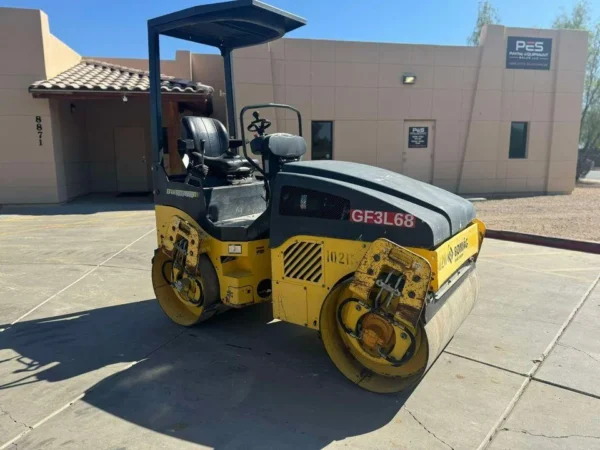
(393, 219)
(345, 259)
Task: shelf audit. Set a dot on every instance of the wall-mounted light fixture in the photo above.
(124, 99)
(409, 78)
(73, 108)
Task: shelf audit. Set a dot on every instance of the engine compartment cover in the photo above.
(456, 210)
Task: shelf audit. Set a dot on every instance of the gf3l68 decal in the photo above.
(383, 218)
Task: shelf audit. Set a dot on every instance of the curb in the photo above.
(546, 241)
(589, 181)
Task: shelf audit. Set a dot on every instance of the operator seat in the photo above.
(217, 155)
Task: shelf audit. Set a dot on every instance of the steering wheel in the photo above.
(258, 125)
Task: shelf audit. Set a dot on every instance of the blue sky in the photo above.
(117, 28)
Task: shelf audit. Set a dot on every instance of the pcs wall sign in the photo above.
(528, 53)
(418, 137)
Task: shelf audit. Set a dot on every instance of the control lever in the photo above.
(199, 158)
(202, 143)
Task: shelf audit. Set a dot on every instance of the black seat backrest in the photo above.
(214, 134)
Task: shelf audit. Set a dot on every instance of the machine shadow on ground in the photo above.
(236, 381)
(61, 347)
(90, 204)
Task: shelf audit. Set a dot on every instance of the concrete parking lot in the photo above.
(88, 360)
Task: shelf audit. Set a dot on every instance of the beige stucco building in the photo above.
(467, 123)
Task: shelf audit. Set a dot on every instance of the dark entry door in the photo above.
(132, 165)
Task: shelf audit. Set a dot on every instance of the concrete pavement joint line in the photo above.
(504, 369)
(566, 388)
(574, 269)
(425, 428)
(128, 267)
(530, 269)
(511, 255)
(80, 396)
(504, 316)
(71, 264)
(45, 419)
(80, 278)
(566, 436)
(531, 374)
(492, 433)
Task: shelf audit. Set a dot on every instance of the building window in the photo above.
(518, 140)
(322, 139)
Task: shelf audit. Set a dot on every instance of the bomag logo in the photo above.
(529, 46)
(446, 258)
(453, 253)
(461, 247)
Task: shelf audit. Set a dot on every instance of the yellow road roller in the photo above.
(382, 266)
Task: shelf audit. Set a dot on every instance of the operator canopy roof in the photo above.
(230, 25)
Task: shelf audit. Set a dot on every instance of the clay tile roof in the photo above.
(91, 75)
